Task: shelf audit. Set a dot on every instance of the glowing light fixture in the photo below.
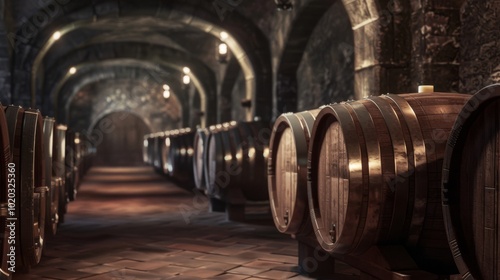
(72, 70)
(284, 5)
(186, 79)
(166, 94)
(222, 48)
(222, 52)
(224, 36)
(57, 35)
(186, 70)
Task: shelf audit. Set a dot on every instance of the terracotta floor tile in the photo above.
(230, 276)
(276, 274)
(202, 273)
(98, 269)
(247, 270)
(232, 249)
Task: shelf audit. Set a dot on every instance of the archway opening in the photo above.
(121, 138)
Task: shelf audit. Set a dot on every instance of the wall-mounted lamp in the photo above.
(223, 36)
(166, 91)
(186, 70)
(222, 53)
(284, 5)
(186, 79)
(72, 70)
(57, 35)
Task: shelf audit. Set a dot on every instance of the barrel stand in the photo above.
(314, 261)
(237, 207)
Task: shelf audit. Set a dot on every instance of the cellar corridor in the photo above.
(129, 223)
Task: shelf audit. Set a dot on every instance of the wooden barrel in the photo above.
(181, 157)
(79, 155)
(470, 186)
(26, 134)
(52, 201)
(158, 143)
(147, 149)
(374, 175)
(287, 170)
(6, 183)
(165, 150)
(86, 151)
(236, 162)
(59, 168)
(72, 177)
(200, 139)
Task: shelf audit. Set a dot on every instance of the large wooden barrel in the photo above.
(158, 144)
(87, 151)
(147, 149)
(59, 169)
(52, 201)
(71, 160)
(287, 171)
(165, 148)
(471, 171)
(79, 155)
(374, 175)
(200, 139)
(6, 183)
(236, 161)
(180, 157)
(26, 134)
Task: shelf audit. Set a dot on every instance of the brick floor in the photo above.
(130, 223)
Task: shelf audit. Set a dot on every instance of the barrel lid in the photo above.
(451, 182)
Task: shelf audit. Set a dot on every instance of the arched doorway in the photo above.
(121, 139)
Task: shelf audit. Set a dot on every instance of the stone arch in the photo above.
(110, 69)
(251, 50)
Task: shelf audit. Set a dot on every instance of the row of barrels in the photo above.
(230, 162)
(227, 161)
(40, 170)
(420, 171)
(171, 154)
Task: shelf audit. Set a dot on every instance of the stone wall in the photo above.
(326, 72)
(480, 45)
(238, 112)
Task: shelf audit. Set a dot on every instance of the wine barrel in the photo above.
(72, 177)
(85, 155)
(52, 201)
(6, 183)
(158, 143)
(165, 148)
(470, 186)
(180, 157)
(79, 155)
(287, 171)
(374, 175)
(59, 169)
(200, 139)
(236, 161)
(26, 134)
(147, 149)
